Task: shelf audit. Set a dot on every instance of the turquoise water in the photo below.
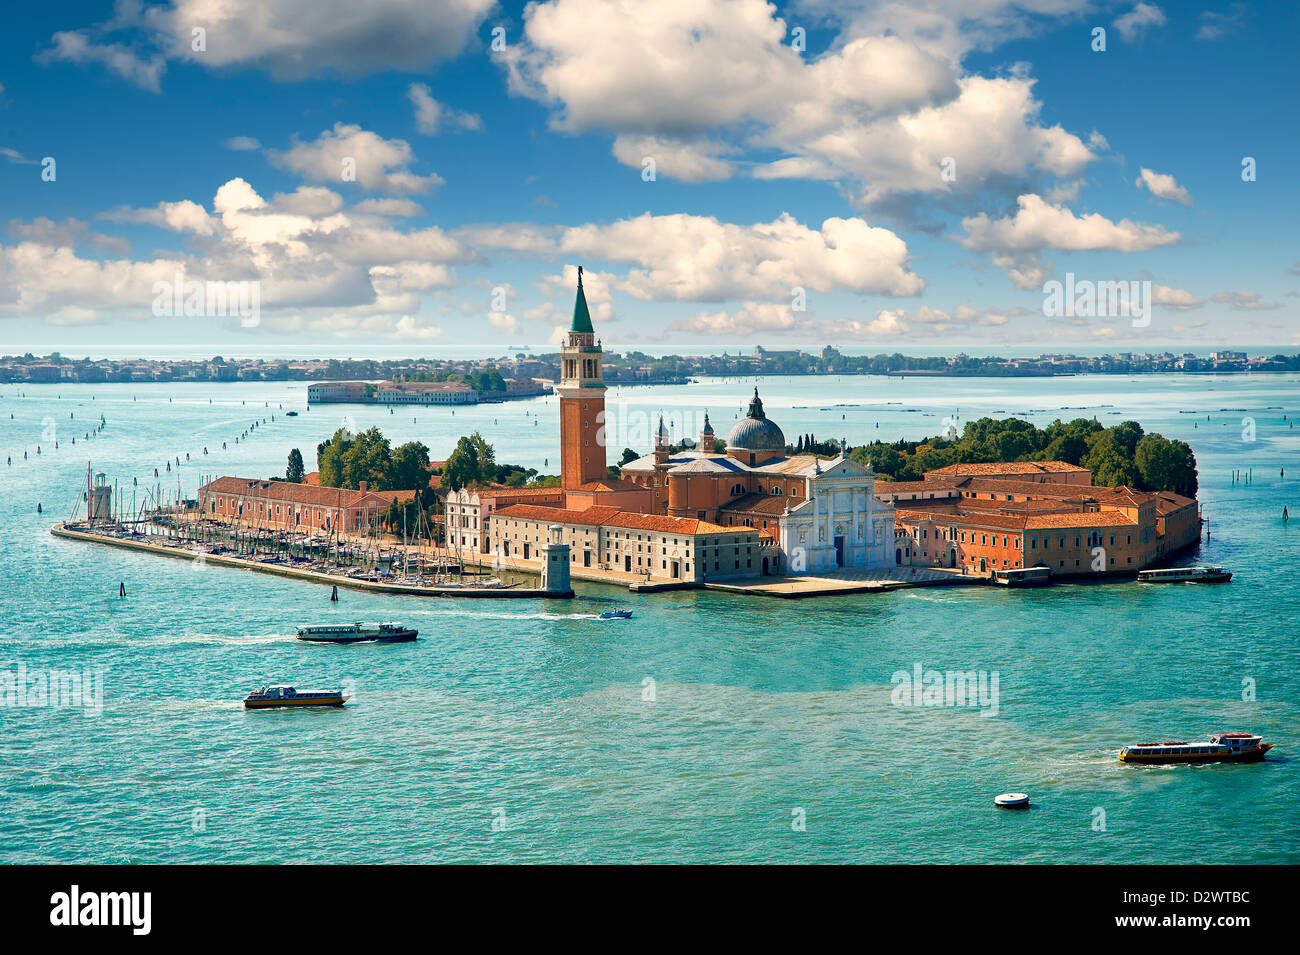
(532, 715)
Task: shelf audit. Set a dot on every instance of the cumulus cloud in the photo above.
(291, 39)
(316, 265)
(688, 161)
(1132, 26)
(1176, 299)
(1039, 225)
(1163, 187)
(749, 319)
(431, 116)
(378, 164)
(699, 258)
(702, 78)
(183, 216)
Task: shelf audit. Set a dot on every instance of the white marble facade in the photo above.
(841, 524)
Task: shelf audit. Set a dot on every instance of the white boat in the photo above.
(1174, 575)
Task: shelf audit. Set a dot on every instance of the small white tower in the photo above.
(555, 563)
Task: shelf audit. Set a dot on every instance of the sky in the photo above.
(423, 177)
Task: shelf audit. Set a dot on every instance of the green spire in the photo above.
(581, 317)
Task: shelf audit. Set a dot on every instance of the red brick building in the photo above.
(285, 506)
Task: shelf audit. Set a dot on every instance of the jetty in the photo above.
(314, 574)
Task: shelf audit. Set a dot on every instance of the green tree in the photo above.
(472, 462)
(409, 468)
(1166, 465)
(295, 471)
(367, 459)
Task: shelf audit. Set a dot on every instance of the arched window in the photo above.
(777, 491)
(737, 490)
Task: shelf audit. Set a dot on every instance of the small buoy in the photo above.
(121, 589)
(1011, 801)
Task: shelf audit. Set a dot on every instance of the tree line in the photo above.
(1121, 455)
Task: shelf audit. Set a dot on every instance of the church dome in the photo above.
(755, 432)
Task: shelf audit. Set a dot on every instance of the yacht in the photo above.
(1223, 748)
(358, 633)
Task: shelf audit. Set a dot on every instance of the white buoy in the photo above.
(1011, 801)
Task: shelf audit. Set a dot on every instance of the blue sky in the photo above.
(918, 170)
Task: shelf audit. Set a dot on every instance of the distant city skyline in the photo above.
(875, 176)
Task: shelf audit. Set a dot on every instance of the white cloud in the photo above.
(749, 319)
(880, 111)
(688, 161)
(293, 39)
(430, 115)
(243, 144)
(503, 323)
(1177, 299)
(1133, 25)
(77, 46)
(183, 216)
(1163, 187)
(1038, 225)
(1025, 271)
(316, 265)
(379, 165)
(698, 258)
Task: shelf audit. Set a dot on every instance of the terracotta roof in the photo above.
(671, 525)
(612, 517)
(612, 484)
(978, 519)
(1167, 502)
(312, 495)
(1008, 467)
(758, 504)
(495, 492)
(1105, 518)
(558, 515)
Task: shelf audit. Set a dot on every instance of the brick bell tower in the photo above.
(582, 401)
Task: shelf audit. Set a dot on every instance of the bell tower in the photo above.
(582, 401)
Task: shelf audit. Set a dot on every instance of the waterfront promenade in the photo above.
(844, 582)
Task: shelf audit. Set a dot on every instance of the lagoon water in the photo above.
(520, 731)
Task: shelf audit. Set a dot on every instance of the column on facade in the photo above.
(857, 523)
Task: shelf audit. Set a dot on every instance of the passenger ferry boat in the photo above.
(269, 697)
(1023, 577)
(358, 633)
(1224, 748)
(1173, 575)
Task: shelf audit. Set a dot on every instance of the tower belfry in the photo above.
(582, 400)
